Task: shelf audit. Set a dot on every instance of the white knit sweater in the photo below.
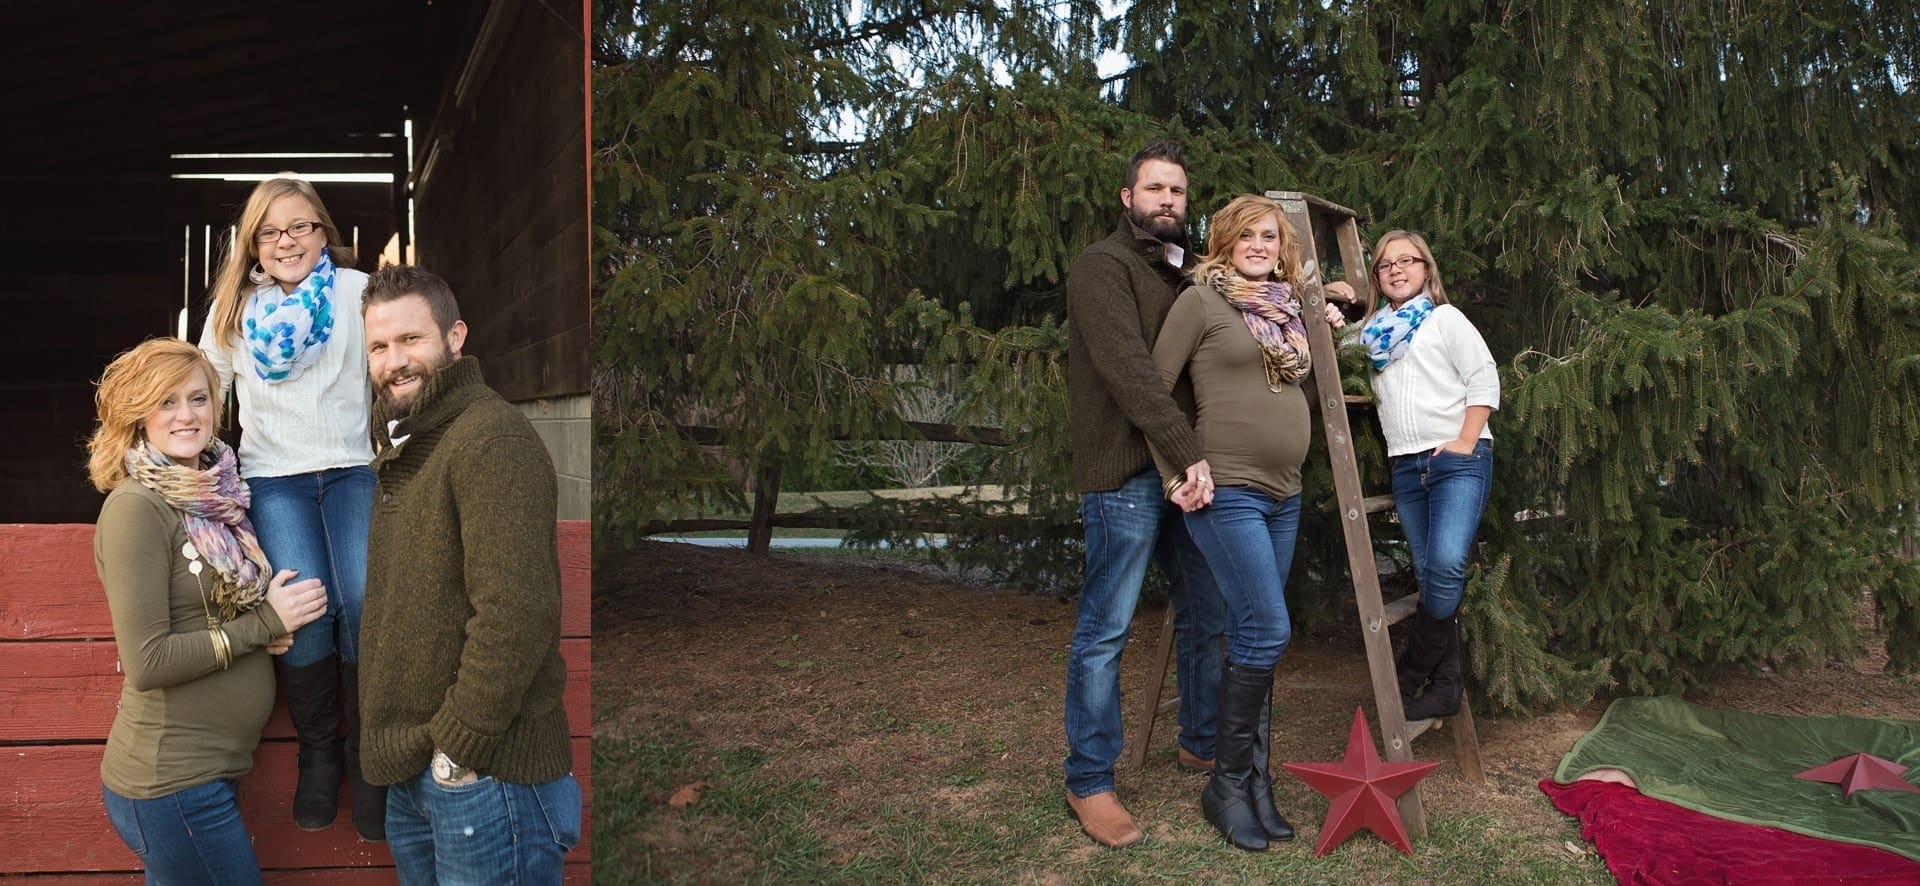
(311, 423)
(1423, 396)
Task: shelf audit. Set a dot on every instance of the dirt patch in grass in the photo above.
(869, 721)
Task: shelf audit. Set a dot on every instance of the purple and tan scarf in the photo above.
(212, 502)
(1273, 316)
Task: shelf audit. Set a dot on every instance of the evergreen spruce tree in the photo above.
(1684, 229)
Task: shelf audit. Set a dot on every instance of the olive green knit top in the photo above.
(1255, 436)
(182, 721)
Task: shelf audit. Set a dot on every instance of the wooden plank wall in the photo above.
(60, 681)
(501, 207)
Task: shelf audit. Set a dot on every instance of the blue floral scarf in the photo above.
(1390, 330)
(285, 333)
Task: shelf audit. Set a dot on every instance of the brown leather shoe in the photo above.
(1188, 762)
(1103, 818)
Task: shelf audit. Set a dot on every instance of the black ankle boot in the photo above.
(369, 800)
(1275, 824)
(313, 701)
(1442, 698)
(1228, 801)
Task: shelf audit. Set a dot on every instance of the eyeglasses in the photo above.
(1403, 262)
(297, 229)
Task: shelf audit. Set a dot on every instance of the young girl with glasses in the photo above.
(1435, 387)
(284, 333)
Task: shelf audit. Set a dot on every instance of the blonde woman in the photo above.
(284, 333)
(194, 608)
(1237, 334)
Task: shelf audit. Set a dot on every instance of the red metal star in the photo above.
(1361, 790)
(1861, 772)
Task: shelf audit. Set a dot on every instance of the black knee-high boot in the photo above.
(1275, 824)
(1442, 698)
(1417, 662)
(369, 800)
(1228, 801)
(313, 702)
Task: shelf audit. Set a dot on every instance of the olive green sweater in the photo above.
(1255, 436)
(460, 646)
(1117, 296)
(183, 721)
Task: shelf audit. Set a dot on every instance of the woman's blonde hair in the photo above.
(1435, 289)
(238, 276)
(1224, 227)
(132, 388)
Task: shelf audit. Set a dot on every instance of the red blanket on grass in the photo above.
(1644, 840)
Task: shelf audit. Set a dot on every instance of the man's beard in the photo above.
(1166, 230)
(397, 409)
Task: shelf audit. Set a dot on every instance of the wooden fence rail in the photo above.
(766, 487)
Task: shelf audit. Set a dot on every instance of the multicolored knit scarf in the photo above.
(1273, 316)
(212, 502)
(1391, 329)
(285, 332)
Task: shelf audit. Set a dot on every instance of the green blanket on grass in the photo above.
(1741, 766)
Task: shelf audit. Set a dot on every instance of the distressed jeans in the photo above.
(1126, 528)
(483, 833)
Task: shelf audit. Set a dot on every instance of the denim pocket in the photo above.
(559, 802)
(467, 788)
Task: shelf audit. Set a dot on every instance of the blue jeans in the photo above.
(482, 833)
(1125, 528)
(317, 524)
(187, 838)
(1439, 499)
(1248, 536)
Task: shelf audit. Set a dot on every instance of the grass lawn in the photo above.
(845, 721)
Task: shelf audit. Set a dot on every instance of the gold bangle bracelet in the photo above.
(222, 648)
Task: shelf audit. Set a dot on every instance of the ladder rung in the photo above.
(1402, 609)
(1418, 728)
(1357, 399)
(1377, 504)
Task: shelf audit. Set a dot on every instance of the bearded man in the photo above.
(461, 677)
(1118, 294)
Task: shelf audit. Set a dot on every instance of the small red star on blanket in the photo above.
(1861, 772)
(1361, 789)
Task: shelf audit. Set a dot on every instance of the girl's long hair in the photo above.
(237, 278)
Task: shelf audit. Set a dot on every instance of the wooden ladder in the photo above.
(1302, 210)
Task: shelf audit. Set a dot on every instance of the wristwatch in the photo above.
(446, 770)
